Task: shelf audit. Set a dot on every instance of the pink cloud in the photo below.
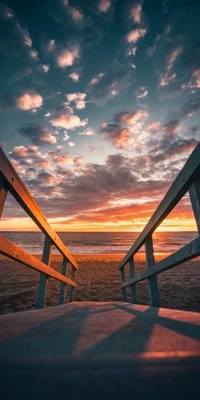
(136, 13)
(153, 127)
(67, 57)
(75, 14)
(28, 101)
(74, 76)
(68, 121)
(135, 35)
(196, 74)
(78, 160)
(77, 98)
(104, 5)
(45, 68)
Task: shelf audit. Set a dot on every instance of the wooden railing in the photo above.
(187, 180)
(11, 182)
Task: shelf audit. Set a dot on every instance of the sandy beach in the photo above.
(98, 279)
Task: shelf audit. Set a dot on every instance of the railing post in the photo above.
(71, 293)
(62, 284)
(43, 281)
(194, 191)
(152, 281)
(133, 287)
(3, 194)
(123, 289)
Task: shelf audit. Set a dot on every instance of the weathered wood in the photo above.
(19, 191)
(177, 190)
(43, 281)
(194, 191)
(133, 287)
(3, 194)
(152, 280)
(186, 253)
(71, 292)
(123, 289)
(14, 252)
(62, 284)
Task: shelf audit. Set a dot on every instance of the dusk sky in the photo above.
(99, 104)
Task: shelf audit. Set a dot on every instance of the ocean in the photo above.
(100, 242)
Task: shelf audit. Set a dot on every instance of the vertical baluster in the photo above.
(152, 281)
(71, 293)
(194, 191)
(3, 194)
(123, 280)
(133, 287)
(43, 281)
(62, 284)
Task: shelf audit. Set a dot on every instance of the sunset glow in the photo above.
(99, 110)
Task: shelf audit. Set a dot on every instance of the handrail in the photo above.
(187, 180)
(20, 192)
(10, 181)
(177, 190)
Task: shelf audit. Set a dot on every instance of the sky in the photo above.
(99, 108)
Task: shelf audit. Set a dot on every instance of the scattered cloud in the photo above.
(58, 157)
(78, 160)
(136, 13)
(66, 57)
(154, 127)
(104, 5)
(96, 79)
(76, 14)
(38, 135)
(78, 99)
(29, 101)
(71, 144)
(68, 121)
(167, 77)
(135, 35)
(45, 68)
(141, 92)
(196, 75)
(171, 127)
(74, 76)
(87, 132)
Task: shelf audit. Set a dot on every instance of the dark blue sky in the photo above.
(99, 103)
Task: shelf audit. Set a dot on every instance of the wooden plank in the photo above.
(19, 191)
(186, 253)
(194, 191)
(133, 287)
(3, 194)
(43, 281)
(152, 280)
(71, 293)
(62, 284)
(177, 190)
(123, 289)
(14, 252)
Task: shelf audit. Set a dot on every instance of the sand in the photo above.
(98, 279)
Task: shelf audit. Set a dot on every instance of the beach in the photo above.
(98, 279)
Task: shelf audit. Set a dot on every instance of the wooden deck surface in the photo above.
(94, 350)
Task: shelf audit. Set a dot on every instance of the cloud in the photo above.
(51, 45)
(74, 76)
(136, 13)
(29, 101)
(76, 14)
(38, 135)
(131, 51)
(46, 178)
(45, 68)
(71, 144)
(59, 158)
(189, 108)
(141, 93)
(66, 57)
(171, 127)
(104, 5)
(68, 121)
(154, 127)
(126, 124)
(196, 75)
(25, 152)
(87, 132)
(172, 57)
(108, 85)
(78, 99)
(135, 35)
(78, 160)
